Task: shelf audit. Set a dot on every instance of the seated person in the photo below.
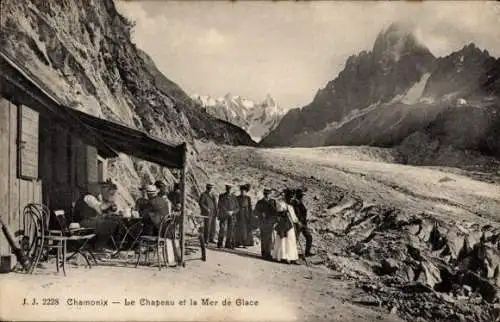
(159, 208)
(91, 207)
(142, 204)
(175, 197)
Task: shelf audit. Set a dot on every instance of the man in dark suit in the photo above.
(227, 208)
(265, 211)
(208, 207)
(301, 228)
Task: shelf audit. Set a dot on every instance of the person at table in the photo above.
(91, 208)
(208, 207)
(142, 204)
(162, 189)
(158, 208)
(175, 197)
(227, 206)
(265, 211)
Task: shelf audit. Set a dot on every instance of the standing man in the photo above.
(301, 211)
(265, 211)
(208, 207)
(227, 208)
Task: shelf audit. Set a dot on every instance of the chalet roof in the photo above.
(109, 137)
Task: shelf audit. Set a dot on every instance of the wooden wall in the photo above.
(15, 193)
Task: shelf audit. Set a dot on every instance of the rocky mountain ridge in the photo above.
(400, 89)
(256, 118)
(83, 52)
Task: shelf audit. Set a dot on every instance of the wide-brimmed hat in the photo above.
(152, 189)
(288, 193)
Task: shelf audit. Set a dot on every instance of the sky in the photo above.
(290, 49)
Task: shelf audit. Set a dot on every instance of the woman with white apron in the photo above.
(285, 241)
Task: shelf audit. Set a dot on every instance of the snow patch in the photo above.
(414, 94)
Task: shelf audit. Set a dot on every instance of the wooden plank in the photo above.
(13, 180)
(4, 169)
(92, 164)
(23, 197)
(37, 192)
(28, 145)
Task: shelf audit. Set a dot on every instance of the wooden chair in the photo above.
(38, 239)
(159, 244)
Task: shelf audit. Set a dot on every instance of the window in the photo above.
(101, 169)
(28, 143)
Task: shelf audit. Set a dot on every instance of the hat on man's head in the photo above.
(288, 193)
(267, 191)
(159, 183)
(228, 186)
(209, 185)
(152, 189)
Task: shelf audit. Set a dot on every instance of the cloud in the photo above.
(211, 41)
(290, 49)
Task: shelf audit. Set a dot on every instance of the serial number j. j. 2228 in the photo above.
(42, 301)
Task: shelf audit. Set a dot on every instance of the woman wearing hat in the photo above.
(243, 226)
(285, 242)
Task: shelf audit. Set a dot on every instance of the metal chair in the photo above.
(159, 243)
(37, 238)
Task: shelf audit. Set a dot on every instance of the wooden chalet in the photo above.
(50, 152)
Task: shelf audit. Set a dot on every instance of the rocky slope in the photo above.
(417, 242)
(399, 89)
(257, 119)
(83, 52)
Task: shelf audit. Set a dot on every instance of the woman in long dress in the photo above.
(285, 241)
(244, 212)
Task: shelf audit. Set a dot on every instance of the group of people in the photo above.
(280, 220)
(91, 208)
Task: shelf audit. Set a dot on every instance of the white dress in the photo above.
(286, 248)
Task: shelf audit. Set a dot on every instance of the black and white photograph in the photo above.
(195, 160)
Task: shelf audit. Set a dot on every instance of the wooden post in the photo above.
(183, 201)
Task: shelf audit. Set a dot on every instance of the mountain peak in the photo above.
(258, 119)
(397, 40)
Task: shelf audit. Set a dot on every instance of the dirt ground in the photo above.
(284, 293)
(385, 227)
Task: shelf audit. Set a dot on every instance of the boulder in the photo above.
(480, 285)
